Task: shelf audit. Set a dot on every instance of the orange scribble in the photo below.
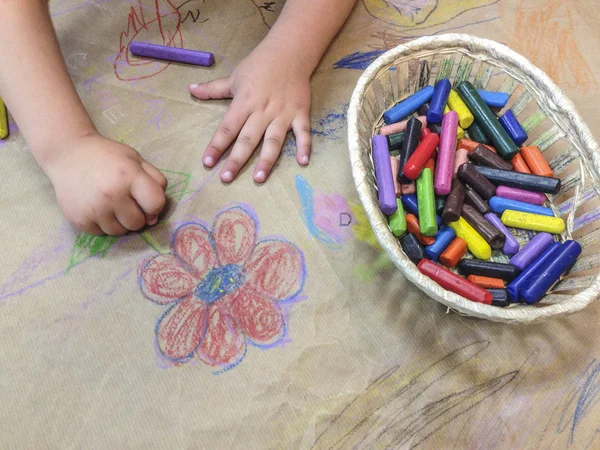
(544, 33)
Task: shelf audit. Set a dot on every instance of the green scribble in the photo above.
(178, 183)
(366, 272)
(152, 242)
(362, 228)
(88, 245)
(464, 71)
(445, 69)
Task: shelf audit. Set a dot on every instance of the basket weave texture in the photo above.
(552, 124)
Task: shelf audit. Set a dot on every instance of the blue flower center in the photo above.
(219, 282)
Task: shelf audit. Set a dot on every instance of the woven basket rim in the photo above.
(558, 104)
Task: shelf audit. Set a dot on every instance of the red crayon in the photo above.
(454, 283)
(419, 158)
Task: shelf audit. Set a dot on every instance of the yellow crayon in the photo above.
(3, 121)
(460, 133)
(534, 222)
(477, 245)
(465, 117)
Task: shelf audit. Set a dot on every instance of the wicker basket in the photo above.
(552, 124)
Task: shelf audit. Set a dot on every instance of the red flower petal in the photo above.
(275, 269)
(191, 242)
(259, 318)
(234, 232)
(223, 345)
(164, 279)
(180, 329)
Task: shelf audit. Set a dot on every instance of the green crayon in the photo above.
(426, 201)
(397, 221)
(487, 120)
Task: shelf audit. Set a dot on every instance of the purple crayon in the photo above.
(174, 54)
(383, 175)
(534, 248)
(535, 198)
(447, 149)
(511, 246)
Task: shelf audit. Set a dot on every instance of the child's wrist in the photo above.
(48, 151)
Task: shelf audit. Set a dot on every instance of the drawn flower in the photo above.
(225, 287)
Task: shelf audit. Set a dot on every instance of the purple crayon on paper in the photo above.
(174, 54)
(534, 248)
(535, 198)
(511, 246)
(384, 176)
(447, 150)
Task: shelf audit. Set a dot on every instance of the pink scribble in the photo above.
(333, 216)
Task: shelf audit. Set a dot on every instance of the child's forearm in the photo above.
(305, 29)
(34, 81)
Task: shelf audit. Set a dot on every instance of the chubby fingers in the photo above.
(272, 144)
(212, 90)
(301, 128)
(228, 129)
(247, 141)
(148, 194)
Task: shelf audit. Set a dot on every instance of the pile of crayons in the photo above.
(444, 194)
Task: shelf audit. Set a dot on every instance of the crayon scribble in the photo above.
(326, 216)
(418, 14)
(225, 289)
(269, 11)
(358, 60)
(331, 126)
(163, 28)
(363, 232)
(538, 26)
(393, 413)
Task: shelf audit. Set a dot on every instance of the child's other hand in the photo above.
(271, 95)
(104, 187)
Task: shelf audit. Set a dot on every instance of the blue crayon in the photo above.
(494, 99)
(438, 101)
(408, 106)
(521, 281)
(500, 204)
(411, 204)
(549, 273)
(443, 239)
(513, 127)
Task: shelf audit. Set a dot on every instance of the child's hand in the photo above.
(271, 95)
(106, 187)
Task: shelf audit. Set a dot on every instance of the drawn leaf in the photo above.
(178, 183)
(88, 245)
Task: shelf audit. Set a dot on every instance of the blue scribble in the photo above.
(358, 60)
(331, 126)
(307, 212)
(587, 399)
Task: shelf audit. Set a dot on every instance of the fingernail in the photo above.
(193, 86)
(152, 220)
(227, 176)
(304, 160)
(260, 175)
(208, 161)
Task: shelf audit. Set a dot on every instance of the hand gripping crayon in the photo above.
(383, 174)
(487, 120)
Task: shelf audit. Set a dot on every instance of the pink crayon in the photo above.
(460, 158)
(395, 169)
(400, 126)
(535, 198)
(447, 150)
